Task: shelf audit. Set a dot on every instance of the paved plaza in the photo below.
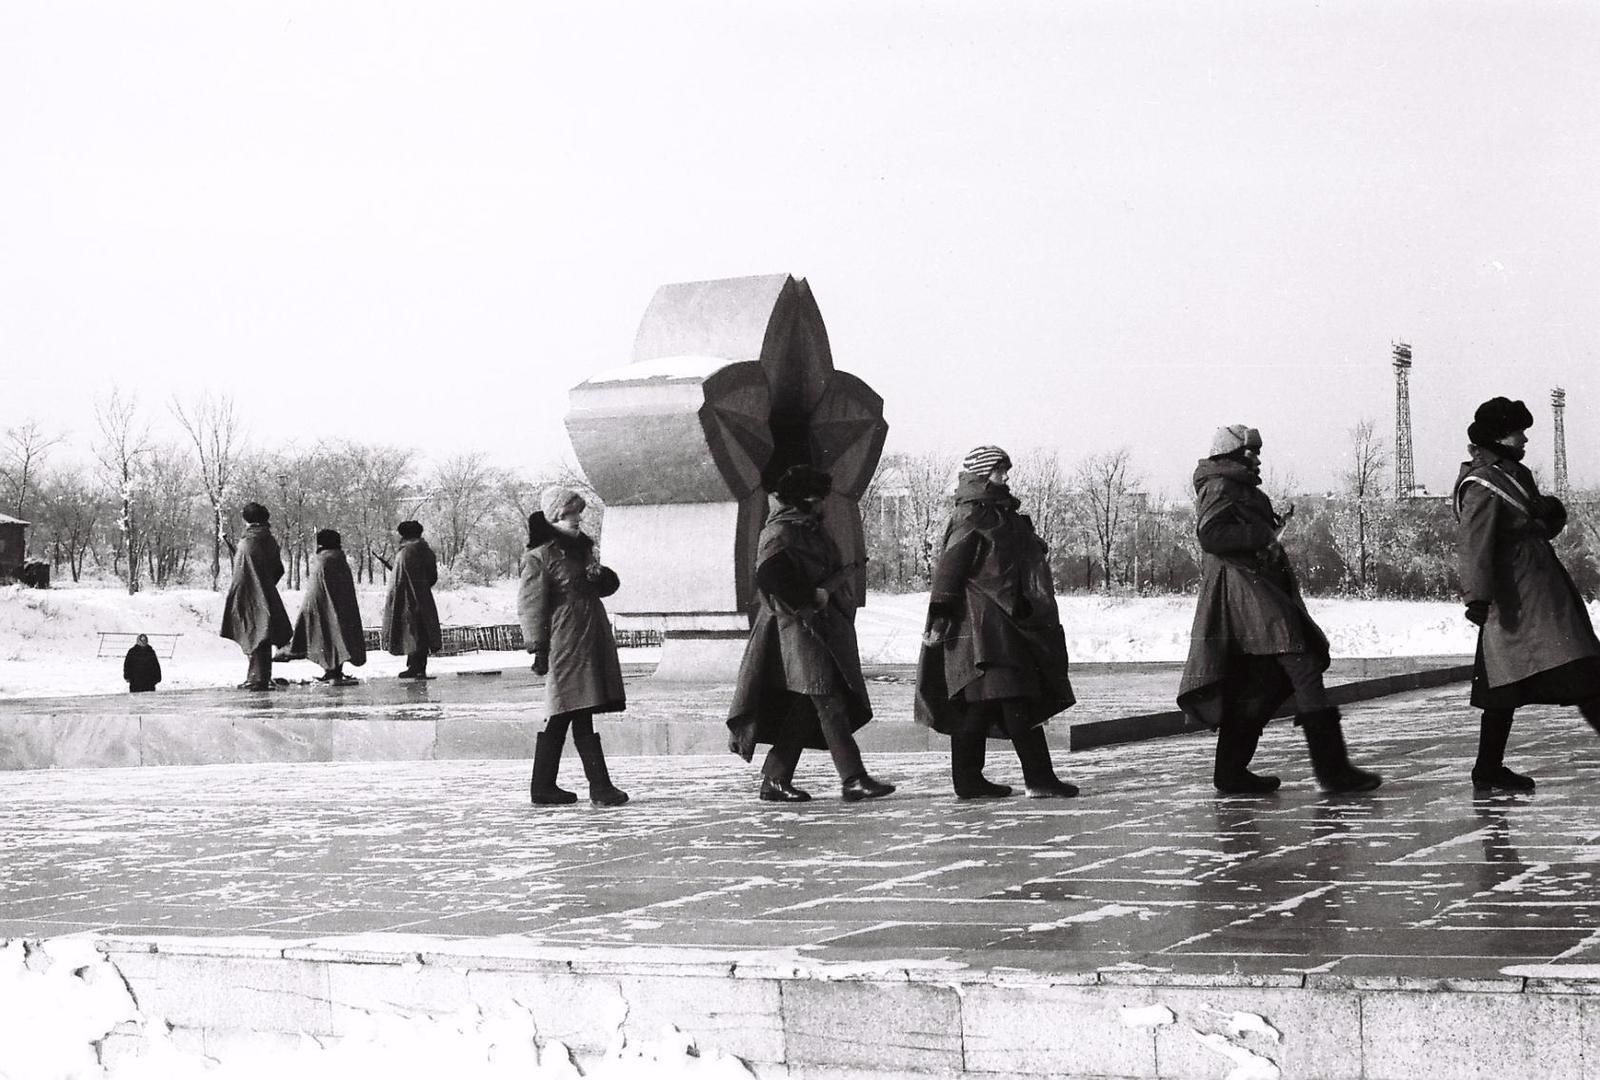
(1149, 870)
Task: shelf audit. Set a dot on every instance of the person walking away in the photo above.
(1536, 643)
(328, 629)
(566, 628)
(800, 683)
(1254, 645)
(410, 617)
(994, 657)
(253, 614)
(141, 668)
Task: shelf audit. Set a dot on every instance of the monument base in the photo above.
(701, 656)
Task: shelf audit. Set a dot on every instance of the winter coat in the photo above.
(1537, 621)
(141, 669)
(253, 613)
(795, 647)
(993, 583)
(1249, 609)
(558, 604)
(328, 629)
(410, 618)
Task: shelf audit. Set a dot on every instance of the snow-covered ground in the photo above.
(49, 638)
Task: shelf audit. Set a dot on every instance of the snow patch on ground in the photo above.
(1147, 1016)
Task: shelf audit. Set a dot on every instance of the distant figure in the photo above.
(1536, 645)
(253, 613)
(328, 629)
(568, 632)
(1254, 645)
(410, 617)
(800, 683)
(994, 659)
(141, 668)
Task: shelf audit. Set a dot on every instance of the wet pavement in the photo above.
(1149, 868)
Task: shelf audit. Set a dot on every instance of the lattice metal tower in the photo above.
(1405, 470)
(1558, 405)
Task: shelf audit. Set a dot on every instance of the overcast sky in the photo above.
(1073, 225)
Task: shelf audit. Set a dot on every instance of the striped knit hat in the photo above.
(985, 460)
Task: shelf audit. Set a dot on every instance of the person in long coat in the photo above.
(566, 628)
(141, 668)
(994, 658)
(1254, 645)
(328, 629)
(800, 683)
(1536, 644)
(410, 617)
(253, 614)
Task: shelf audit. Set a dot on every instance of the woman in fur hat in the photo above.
(994, 660)
(1254, 645)
(800, 683)
(565, 627)
(1536, 644)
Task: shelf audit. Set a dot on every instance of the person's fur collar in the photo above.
(541, 532)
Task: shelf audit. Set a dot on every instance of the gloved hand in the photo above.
(541, 662)
(1478, 612)
(938, 631)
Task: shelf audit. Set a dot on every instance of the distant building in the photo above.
(13, 542)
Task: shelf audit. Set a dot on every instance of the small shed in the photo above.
(13, 542)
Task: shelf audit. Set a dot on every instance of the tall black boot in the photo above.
(967, 751)
(542, 789)
(602, 792)
(1489, 772)
(1329, 758)
(1038, 771)
(1236, 745)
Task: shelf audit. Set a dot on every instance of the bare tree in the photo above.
(1362, 508)
(1038, 481)
(464, 492)
(1105, 494)
(24, 449)
(214, 428)
(71, 514)
(122, 449)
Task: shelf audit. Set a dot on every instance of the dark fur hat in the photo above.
(801, 482)
(329, 538)
(408, 529)
(254, 513)
(1497, 418)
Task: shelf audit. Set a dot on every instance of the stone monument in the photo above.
(731, 382)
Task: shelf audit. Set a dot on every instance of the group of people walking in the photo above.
(993, 663)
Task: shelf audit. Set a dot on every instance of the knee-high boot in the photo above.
(542, 790)
(967, 751)
(602, 792)
(1329, 758)
(1236, 745)
(1489, 772)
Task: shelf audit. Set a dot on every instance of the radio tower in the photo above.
(1558, 405)
(1405, 472)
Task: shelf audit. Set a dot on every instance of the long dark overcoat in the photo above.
(993, 581)
(328, 629)
(1249, 609)
(410, 617)
(797, 651)
(559, 606)
(1538, 645)
(253, 612)
(141, 669)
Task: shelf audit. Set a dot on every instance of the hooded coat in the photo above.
(1249, 610)
(1538, 644)
(795, 647)
(559, 606)
(328, 629)
(141, 669)
(253, 613)
(410, 617)
(993, 582)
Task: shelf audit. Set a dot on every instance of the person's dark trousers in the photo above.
(1237, 740)
(417, 662)
(1033, 752)
(547, 747)
(1489, 772)
(833, 715)
(1305, 675)
(968, 749)
(259, 672)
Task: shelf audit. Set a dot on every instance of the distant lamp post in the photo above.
(1140, 501)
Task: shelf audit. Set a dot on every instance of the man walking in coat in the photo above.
(141, 668)
(253, 614)
(1254, 645)
(328, 628)
(800, 684)
(1536, 644)
(410, 618)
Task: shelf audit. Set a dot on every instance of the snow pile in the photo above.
(59, 1001)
